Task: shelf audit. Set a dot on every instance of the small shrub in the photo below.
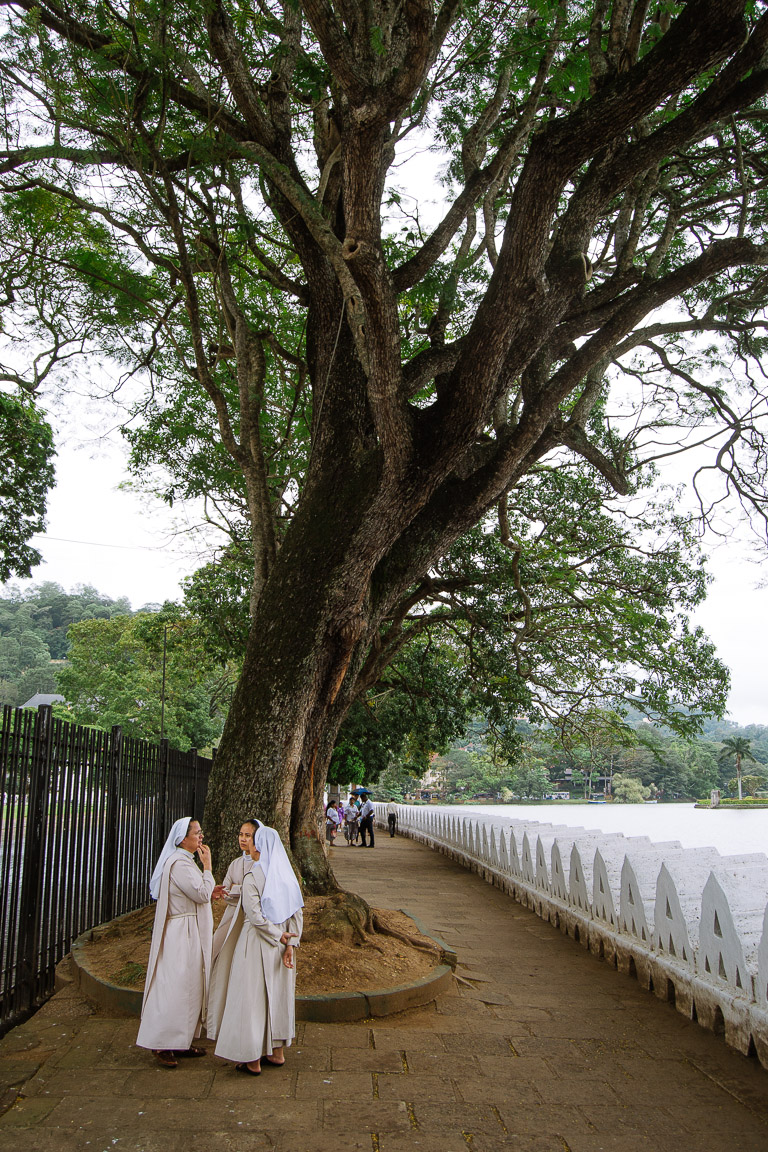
(129, 974)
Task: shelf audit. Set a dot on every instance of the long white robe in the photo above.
(233, 882)
(175, 991)
(252, 1001)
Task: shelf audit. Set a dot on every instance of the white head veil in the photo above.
(281, 896)
(175, 837)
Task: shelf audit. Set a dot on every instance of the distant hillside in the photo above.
(33, 633)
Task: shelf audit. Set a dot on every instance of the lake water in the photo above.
(732, 832)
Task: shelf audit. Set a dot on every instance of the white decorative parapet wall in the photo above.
(690, 924)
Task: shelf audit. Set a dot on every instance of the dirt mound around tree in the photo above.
(395, 952)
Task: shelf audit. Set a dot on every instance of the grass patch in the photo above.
(747, 802)
(130, 974)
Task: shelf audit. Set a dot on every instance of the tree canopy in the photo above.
(33, 633)
(26, 475)
(120, 671)
(352, 380)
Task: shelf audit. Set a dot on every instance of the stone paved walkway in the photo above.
(540, 1049)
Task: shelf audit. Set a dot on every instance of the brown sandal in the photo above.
(166, 1058)
(188, 1052)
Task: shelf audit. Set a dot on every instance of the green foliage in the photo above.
(469, 775)
(348, 764)
(745, 802)
(579, 605)
(26, 475)
(530, 780)
(632, 753)
(107, 662)
(217, 595)
(47, 610)
(416, 708)
(627, 790)
(750, 784)
(395, 783)
(33, 633)
(114, 675)
(738, 748)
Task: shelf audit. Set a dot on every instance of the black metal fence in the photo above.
(83, 816)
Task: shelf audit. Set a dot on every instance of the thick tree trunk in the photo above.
(307, 829)
(279, 736)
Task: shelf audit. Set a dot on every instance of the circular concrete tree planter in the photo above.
(332, 1007)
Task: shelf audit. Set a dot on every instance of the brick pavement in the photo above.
(541, 1048)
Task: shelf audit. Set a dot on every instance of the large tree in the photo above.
(594, 286)
(738, 748)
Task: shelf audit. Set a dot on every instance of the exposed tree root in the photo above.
(413, 941)
(342, 916)
(346, 917)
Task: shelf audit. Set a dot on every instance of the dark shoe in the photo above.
(189, 1052)
(166, 1059)
(245, 1068)
(273, 1063)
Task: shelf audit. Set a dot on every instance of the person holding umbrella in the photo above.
(366, 817)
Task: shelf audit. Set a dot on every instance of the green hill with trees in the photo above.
(642, 762)
(442, 708)
(33, 633)
(108, 663)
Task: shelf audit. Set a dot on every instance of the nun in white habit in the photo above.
(233, 882)
(251, 1007)
(178, 971)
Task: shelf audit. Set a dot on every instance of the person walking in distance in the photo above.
(366, 822)
(392, 817)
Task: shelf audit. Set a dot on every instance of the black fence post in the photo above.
(196, 814)
(30, 897)
(109, 893)
(162, 764)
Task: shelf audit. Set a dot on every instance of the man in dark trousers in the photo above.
(366, 822)
(392, 817)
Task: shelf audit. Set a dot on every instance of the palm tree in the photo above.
(737, 746)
